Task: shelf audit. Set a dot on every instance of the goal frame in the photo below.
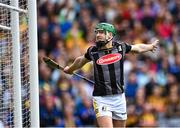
(33, 59)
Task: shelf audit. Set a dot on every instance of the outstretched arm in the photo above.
(140, 48)
(77, 64)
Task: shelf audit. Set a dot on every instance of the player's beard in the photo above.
(100, 43)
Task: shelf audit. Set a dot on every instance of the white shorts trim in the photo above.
(113, 106)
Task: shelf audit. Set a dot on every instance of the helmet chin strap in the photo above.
(100, 44)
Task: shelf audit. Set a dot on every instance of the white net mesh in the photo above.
(6, 72)
(6, 83)
(25, 76)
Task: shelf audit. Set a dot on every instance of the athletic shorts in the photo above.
(113, 106)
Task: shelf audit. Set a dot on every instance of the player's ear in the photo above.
(110, 34)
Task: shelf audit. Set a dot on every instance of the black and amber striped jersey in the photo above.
(108, 68)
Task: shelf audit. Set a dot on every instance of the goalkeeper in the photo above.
(107, 55)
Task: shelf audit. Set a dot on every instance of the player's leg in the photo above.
(119, 123)
(103, 113)
(119, 114)
(104, 121)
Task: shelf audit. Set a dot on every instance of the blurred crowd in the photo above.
(152, 80)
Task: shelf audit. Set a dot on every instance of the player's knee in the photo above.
(104, 121)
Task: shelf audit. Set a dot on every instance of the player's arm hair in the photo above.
(140, 48)
(78, 63)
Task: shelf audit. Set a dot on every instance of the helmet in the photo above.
(106, 27)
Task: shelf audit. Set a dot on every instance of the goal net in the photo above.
(8, 87)
(6, 83)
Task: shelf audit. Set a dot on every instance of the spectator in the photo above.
(69, 118)
(49, 113)
(147, 118)
(131, 86)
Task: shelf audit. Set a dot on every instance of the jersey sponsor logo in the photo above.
(109, 59)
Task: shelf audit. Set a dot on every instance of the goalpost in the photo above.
(19, 94)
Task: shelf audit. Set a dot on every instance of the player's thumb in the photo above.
(67, 70)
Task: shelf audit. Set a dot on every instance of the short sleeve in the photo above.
(87, 54)
(128, 48)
